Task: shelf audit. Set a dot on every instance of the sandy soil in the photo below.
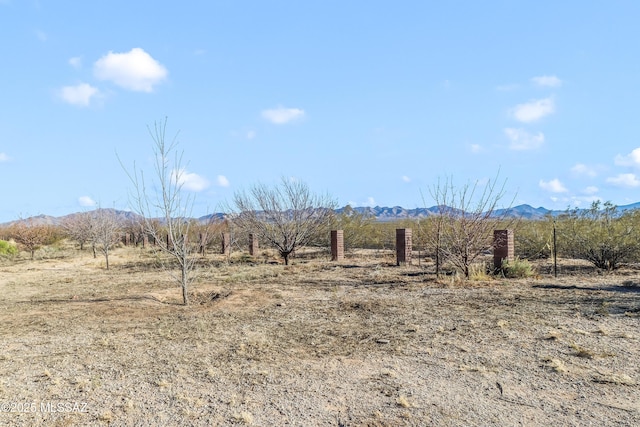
(361, 343)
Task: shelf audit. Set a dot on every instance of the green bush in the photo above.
(6, 248)
(601, 235)
(534, 238)
(517, 269)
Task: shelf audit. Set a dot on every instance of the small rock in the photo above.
(382, 341)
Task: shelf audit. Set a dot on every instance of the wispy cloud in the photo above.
(251, 134)
(547, 81)
(405, 178)
(591, 190)
(507, 87)
(475, 148)
(75, 62)
(134, 70)
(631, 159)
(282, 115)
(87, 201)
(41, 35)
(4, 157)
(522, 140)
(222, 181)
(582, 200)
(189, 181)
(553, 186)
(582, 169)
(79, 95)
(626, 180)
(533, 110)
(370, 202)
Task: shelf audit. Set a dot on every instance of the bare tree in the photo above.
(30, 235)
(287, 216)
(78, 228)
(105, 231)
(465, 221)
(168, 202)
(431, 228)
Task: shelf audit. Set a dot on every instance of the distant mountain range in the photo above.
(378, 212)
(520, 211)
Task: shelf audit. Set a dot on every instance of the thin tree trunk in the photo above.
(185, 295)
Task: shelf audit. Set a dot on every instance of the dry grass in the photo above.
(316, 343)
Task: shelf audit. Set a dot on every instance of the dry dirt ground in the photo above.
(360, 343)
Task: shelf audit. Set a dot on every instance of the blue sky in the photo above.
(369, 101)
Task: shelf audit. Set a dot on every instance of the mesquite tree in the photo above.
(601, 235)
(287, 216)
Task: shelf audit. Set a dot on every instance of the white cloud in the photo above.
(251, 134)
(222, 181)
(523, 140)
(406, 178)
(41, 35)
(547, 81)
(4, 157)
(80, 95)
(581, 169)
(554, 186)
(282, 115)
(583, 200)
(371, 202)
(628, 180)
(75, 62)
(631, 159)
(507, 87)
(590, 190)
(189, 181)
(86, 201)
(533, 110)
(134, 70)
(475, 148)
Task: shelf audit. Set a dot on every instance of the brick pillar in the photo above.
(403, 246)
(337, 245)
(503, 247)
(253, 244)
(226, 243)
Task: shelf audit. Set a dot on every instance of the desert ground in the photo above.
(317, 343)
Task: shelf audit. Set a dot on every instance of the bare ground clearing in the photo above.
(362, 343)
